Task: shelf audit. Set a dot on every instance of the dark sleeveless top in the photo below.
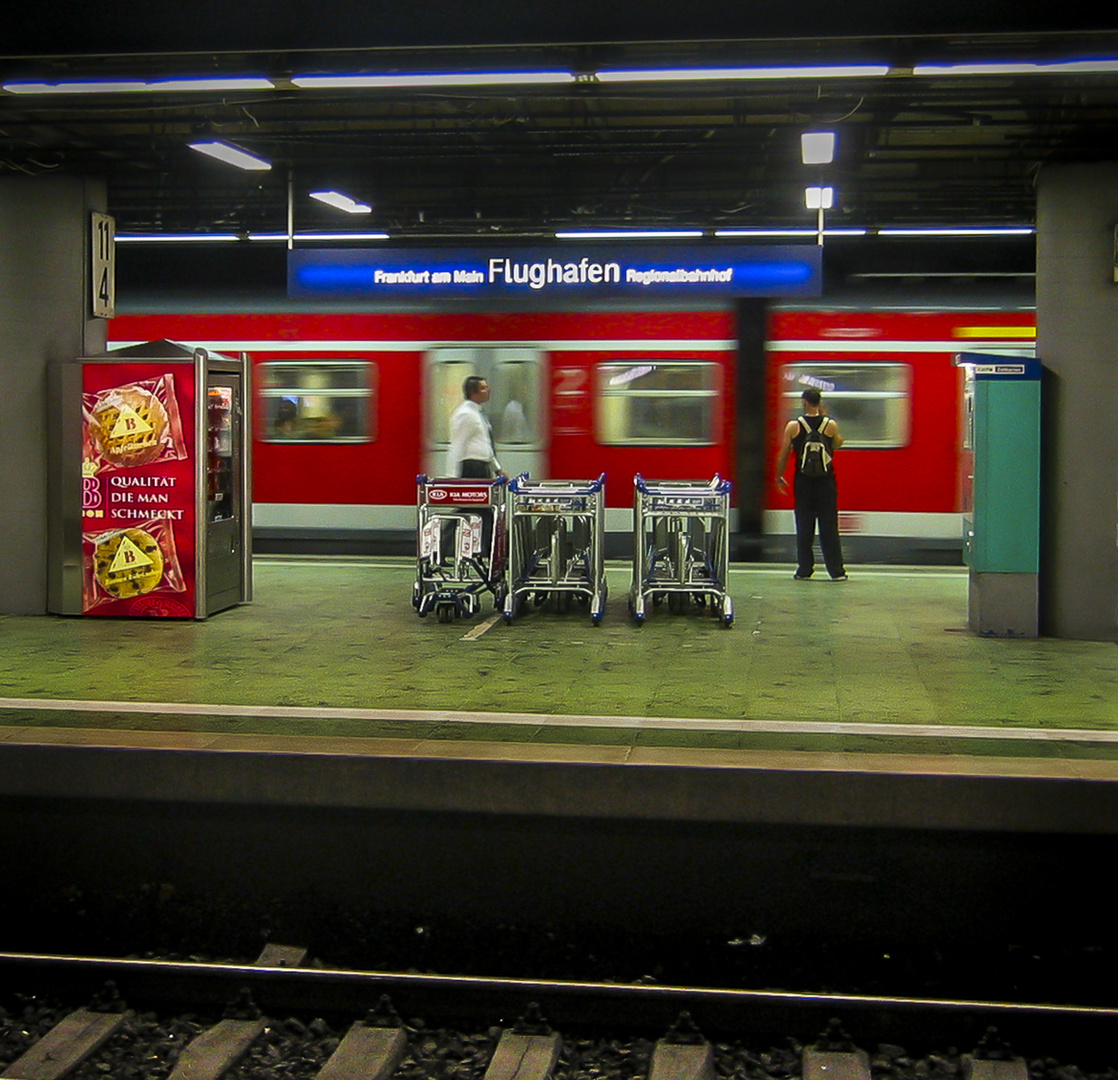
(798, 440)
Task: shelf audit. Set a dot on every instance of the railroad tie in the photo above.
(217, 1050)
(993, 1059)
(835, 1064)
(1011, 1069)
(522, 1056)
(683, 1054)
(289, 956)
(835, 1057)
(366, 1052)
(66, 1045)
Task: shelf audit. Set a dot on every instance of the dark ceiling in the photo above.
(437, 163)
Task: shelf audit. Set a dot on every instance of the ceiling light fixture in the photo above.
(177, 238)
(629, 234)
(341, 202)
(758, 233)
(337, 236)
(819, 198)
(256, 237)
(231, 155)
(142, 86)
(420, 79)
(829, 71)
(1098, 66)
(817, 147)
(993, 230)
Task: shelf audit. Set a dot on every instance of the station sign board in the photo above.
(557, 272)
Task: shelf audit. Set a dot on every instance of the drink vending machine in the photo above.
(1001, 492)
(150, 489)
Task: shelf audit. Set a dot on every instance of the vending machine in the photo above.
(1001, 492)
(150, 489)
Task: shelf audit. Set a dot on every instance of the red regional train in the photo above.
(350, 407)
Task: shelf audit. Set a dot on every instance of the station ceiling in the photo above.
(446, 163)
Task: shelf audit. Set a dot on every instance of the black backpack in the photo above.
(815, 458)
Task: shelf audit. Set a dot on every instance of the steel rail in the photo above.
(1084, 1035)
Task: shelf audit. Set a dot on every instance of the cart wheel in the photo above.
(677, 603)
(597, 610)
(563, 602)
(446, 613)
(727, 613)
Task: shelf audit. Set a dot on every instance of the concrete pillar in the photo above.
(1077, 340)
(44, 316)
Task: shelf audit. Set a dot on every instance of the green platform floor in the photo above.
(880, 665)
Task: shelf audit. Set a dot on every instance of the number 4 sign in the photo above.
(103, 268)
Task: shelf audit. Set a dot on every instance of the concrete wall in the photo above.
(44, 304)
(1077, 340)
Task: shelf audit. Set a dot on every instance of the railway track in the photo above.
(148, 1020)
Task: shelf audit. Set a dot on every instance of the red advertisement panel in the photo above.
(138, 498)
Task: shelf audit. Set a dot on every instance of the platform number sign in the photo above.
(103, 278)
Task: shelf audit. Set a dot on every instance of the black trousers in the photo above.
(817, 506)
(473, 469)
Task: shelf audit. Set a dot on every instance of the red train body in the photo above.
(350, 407)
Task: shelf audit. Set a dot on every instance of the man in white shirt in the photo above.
(471, 452)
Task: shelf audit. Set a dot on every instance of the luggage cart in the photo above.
(681, 546)
(461, 545)
(556, 529)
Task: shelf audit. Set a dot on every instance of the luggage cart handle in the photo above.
(592, 488)
(716, 485)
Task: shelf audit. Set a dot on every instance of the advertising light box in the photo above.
(138, 490)
(149, 487)
(558, 273)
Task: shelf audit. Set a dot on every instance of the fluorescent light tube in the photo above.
(177, 238)
(230, 238)
(230, 154)
(629, 234)
(335, 236)
(994, 230)
(797, 232)
(1023, 67)
(342, 202)
(461, 78)
(834, 71)
(142, 86)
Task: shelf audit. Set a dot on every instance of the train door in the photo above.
(517, 406)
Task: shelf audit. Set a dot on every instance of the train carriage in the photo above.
(351, 406)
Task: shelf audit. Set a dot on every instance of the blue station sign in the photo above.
(576, 271)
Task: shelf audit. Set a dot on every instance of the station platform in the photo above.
(864, 703)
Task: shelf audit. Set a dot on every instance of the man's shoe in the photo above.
(801, 577)
(840, 577)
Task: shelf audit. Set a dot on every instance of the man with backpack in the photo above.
(811, 440)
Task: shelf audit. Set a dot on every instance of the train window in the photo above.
(317, 401)
(871, 402)
(658, 403)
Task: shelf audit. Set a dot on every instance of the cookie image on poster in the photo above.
(129, 426)
(128, 564)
